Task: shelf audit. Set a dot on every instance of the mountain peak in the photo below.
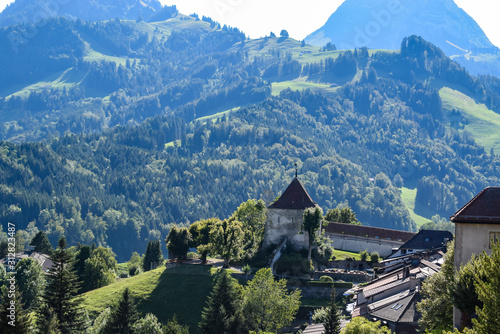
(382, 24)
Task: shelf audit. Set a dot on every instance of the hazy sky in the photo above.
(301, 17)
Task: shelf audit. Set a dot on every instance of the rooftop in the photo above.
(295, 197)
(484, 208)
(368, 231)
(428, 239)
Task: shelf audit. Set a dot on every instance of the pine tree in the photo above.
(220, 314)
(61, 290)
(173, 327)
(124, 316)
(41, 243)
(153, 257)
(332, 324)
(488, 290)
(21, 323)
(48, 324)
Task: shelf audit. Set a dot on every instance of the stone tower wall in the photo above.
(285, 223)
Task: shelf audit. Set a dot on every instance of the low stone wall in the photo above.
(318, 292)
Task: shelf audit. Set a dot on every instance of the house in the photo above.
(424, 240)
(477, 227)
(392, 297)
(357, 238)
(284, 217)
(43, 259)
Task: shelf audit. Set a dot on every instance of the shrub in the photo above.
(292, 263)
(326, 279)
(364, 255)
(323, 253)
(320, 315)
(374, 257)
(246, 269)
(134, 269)
(192, 256)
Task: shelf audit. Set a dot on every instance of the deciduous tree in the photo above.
(178, 242)
(30, 280)
(436, 306)
(267, 304)
(360, 325)
(200, 235)
(226, 240)
(311, 222)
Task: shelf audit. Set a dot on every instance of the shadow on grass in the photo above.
(182, 290)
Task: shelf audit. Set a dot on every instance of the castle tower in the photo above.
(284, 217)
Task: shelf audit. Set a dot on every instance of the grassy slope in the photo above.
(342, 255)
(162, 292)
(482, 123)
(96, 52)
(301, 84)
(408, 197)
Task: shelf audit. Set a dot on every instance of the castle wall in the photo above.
(358, 244)
(285, 223)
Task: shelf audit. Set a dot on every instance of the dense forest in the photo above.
(122, 149)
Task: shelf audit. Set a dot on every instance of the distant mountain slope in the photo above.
(24, 11)
(383, 24)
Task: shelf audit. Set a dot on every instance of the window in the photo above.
(494, 238)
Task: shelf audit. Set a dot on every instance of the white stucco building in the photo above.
(477, 226)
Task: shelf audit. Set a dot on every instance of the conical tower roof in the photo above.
(295, 197)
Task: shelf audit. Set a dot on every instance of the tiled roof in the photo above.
(484, 208)
(394, 312)
(371, 232)
(428, 239)
(295, 197)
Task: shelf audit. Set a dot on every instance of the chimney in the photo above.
(413, 282)
(406, 272)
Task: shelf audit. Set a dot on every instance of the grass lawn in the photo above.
(278, 87)
(163, 292)
(342, 255)
(482, 123)
(408, 197)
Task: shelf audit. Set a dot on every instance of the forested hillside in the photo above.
(143, 125)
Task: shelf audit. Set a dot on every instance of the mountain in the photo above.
(31, 11)
(381, 24)
(115, 130)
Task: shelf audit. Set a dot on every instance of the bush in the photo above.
(364, 255)
(246, 269)
(323, 253)
(320, 314)
(374, 257)
(326, 279)
(134, 269)
(193, 256)
(293, 264)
